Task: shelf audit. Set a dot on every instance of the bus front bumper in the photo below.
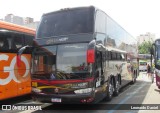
(63, 98)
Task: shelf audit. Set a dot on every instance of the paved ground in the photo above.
(142, 92)
(153, 94)
(144, 77)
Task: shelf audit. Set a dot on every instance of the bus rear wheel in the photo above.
(134, 78)
(117, 88)
(110, 89)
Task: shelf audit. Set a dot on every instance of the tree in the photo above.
(144, 48)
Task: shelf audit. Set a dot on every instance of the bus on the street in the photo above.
(155, 61)
(81, 55)
(14, 80)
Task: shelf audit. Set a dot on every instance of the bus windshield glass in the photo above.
(158, 55)
(66, 22)
(66, 61)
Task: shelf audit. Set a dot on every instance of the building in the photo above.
(14, 19)
(28, 20)
(145, 37)
(32, 25)
(24, 21)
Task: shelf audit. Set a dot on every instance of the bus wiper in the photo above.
(39, 76)
(75, 74)
(64, 75)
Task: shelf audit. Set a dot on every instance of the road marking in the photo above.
(125, 99)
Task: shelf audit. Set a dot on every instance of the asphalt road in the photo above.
(142, 92)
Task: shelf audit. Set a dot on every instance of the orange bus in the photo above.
(14, 80)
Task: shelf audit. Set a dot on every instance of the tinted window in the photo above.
(113, 56)
(143, 63)
(44, 60)
(72, 58)
(100, 22)
(28, 40)
(18, 41)
(66, 22)
(11, 41)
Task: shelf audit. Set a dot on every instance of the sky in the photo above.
(135, 16)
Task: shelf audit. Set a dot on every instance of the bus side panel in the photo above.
(158, 79)
(14, 81)
(7, 83)
(23, 75)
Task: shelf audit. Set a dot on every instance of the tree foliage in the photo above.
(144, 48)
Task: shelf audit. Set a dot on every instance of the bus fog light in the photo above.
(36, 90)
(82, 91)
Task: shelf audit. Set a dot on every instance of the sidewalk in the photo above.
(144, 77)
(153, 95)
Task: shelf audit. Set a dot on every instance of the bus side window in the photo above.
(5, 45)
(28, 40)
(108, 54)
(98, 59)
(113, 55)
(122, 56)
(18, 41)
(119, 56)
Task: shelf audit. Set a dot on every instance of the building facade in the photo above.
(24, 21)
(14, 19)
(145, 37)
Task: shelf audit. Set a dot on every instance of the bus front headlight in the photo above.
(83, 91)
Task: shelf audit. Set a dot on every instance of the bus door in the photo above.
(99, 69)
(99, 75)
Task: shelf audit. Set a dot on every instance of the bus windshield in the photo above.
(158, 54)
(66, 61)
(66, 22)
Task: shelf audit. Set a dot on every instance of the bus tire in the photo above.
(110, 89)
(134, 78)
(117, 88)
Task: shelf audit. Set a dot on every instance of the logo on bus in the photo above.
(11, 72)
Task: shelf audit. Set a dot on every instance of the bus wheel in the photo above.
(117, 88)
(110, 89)
(133, 79)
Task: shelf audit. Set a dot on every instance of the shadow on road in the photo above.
(15, 100)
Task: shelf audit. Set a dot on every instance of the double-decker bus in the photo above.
(155, 61)
(81, 55)
(14, 80)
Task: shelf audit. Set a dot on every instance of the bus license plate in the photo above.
(56, 100)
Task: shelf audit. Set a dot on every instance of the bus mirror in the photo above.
(152, 49)
(20, 52)
(18, 60)
(99, 42)
(90, 56)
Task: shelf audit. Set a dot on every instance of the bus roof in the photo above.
(14, 27)
(68, 9)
